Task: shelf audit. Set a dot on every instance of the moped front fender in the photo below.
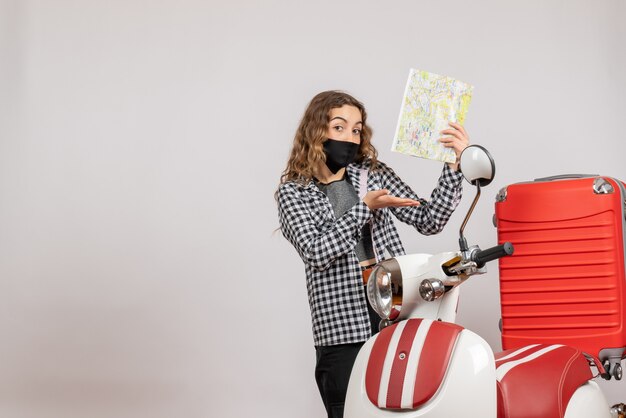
(468, 387)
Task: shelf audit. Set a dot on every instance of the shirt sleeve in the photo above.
(432, 215)
(318, 247)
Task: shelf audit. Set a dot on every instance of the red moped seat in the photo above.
(537, 381)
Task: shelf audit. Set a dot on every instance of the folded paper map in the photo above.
(430, 101)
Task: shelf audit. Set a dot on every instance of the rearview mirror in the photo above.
(477, 165)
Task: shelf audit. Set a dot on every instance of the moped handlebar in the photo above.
(490, 254)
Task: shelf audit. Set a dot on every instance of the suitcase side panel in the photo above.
(565, 282)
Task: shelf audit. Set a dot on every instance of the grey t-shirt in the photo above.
(343, 197)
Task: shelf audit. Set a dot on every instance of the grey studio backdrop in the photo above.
(141, 143)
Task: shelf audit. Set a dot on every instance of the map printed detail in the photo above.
(430, 101)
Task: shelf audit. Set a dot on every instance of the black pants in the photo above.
(332, 373)
(333, 367)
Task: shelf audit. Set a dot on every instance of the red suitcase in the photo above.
(565, 282)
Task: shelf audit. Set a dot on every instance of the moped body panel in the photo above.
(588, 401)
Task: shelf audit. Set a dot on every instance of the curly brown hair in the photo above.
(307, 151)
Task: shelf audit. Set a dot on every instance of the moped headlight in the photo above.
(384, 288)
(379, 291)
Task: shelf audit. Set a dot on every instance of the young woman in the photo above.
(335, 202)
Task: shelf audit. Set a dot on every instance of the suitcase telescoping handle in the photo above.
(567, 176)
(490, 254)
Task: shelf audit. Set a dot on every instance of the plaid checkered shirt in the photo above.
(326, 243)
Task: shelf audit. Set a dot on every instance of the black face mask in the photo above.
(339, 154)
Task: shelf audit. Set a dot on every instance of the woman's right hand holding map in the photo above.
(457, 139)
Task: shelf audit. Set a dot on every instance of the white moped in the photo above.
(421, 364)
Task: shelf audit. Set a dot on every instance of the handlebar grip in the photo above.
(482, 257)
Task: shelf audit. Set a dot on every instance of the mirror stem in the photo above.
(462, 240)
